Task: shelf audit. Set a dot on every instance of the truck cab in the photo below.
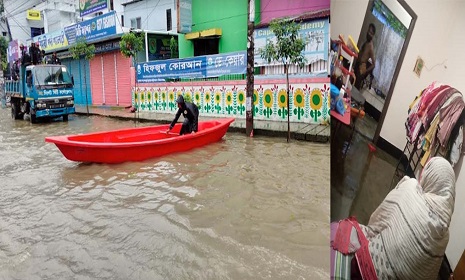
(43, 91)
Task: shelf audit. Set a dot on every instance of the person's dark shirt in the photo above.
(190, 112)
(34, 53)
(25, 57)
(54, 60)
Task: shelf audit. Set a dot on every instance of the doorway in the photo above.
(393, 21)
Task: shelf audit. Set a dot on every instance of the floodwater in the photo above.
(242, 208)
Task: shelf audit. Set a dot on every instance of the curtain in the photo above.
(386, 56)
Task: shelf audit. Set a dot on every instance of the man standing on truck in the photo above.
(54, 59)
(25, 57)
(34, 52)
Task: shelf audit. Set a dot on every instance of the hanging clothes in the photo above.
(449, 116)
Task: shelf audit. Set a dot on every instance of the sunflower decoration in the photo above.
(229, 101)
(299, 98)
(218, 101)
(171, 102)
(316, 101)
(241, 101)
(268, 102)
(229, 98)
(255, 102)
(197, 97)
(268, 98)
(208, 98)
(188, 96)
(156, 96)
(163, 99)
(282, 103)
(137, 97)
(299, 103)
(149, 99)
(255, 97)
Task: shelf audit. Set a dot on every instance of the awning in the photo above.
(204, 34)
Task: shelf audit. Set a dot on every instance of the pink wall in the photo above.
(271, 9)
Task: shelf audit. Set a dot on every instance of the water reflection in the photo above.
(238, 209)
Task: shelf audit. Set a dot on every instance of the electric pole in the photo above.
(250, 68)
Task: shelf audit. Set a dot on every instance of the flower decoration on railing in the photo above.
(218, 101)
(282, 103)
(163, 99)
(241, 102)
(171, 99)
(208, 99)
(156, 99)
(316, 101)
(136, 98)
(149, 99)
(188, 96)
(268, 102)
(299, 103)
(229, 102)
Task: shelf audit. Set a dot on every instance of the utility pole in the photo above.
(250, 68)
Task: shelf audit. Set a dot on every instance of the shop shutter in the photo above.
(97, 80)
(123, 79)
(109, 80)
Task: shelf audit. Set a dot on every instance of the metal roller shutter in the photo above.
(123, 79)
(97, 80)
(109, 79)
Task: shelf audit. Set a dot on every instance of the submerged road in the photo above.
(242, 208)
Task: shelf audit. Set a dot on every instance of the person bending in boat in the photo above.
(191, 116)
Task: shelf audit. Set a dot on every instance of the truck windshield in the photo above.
(54, 75)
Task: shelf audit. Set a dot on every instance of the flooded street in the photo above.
(241, 208)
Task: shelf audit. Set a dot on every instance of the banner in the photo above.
(91, 6)
(93, 29)
(13, 51)
(316, 34)
(52, 40)
(193, 67)
(159, 46)
(33, 15)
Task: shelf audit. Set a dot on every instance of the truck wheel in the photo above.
(15, 115)
(33, 118)
(65, 118)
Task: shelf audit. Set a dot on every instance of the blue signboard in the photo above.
(228, 63)
(93, 29)
(156, 71)
(193, 67)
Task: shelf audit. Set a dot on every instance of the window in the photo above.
(122, 20)
(206, 46)
(135, 23)
(35, 31)
(168, 19)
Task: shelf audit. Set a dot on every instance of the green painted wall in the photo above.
(230, 16)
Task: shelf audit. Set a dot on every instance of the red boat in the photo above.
(137, 144)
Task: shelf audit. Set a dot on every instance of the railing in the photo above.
(12, 86)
